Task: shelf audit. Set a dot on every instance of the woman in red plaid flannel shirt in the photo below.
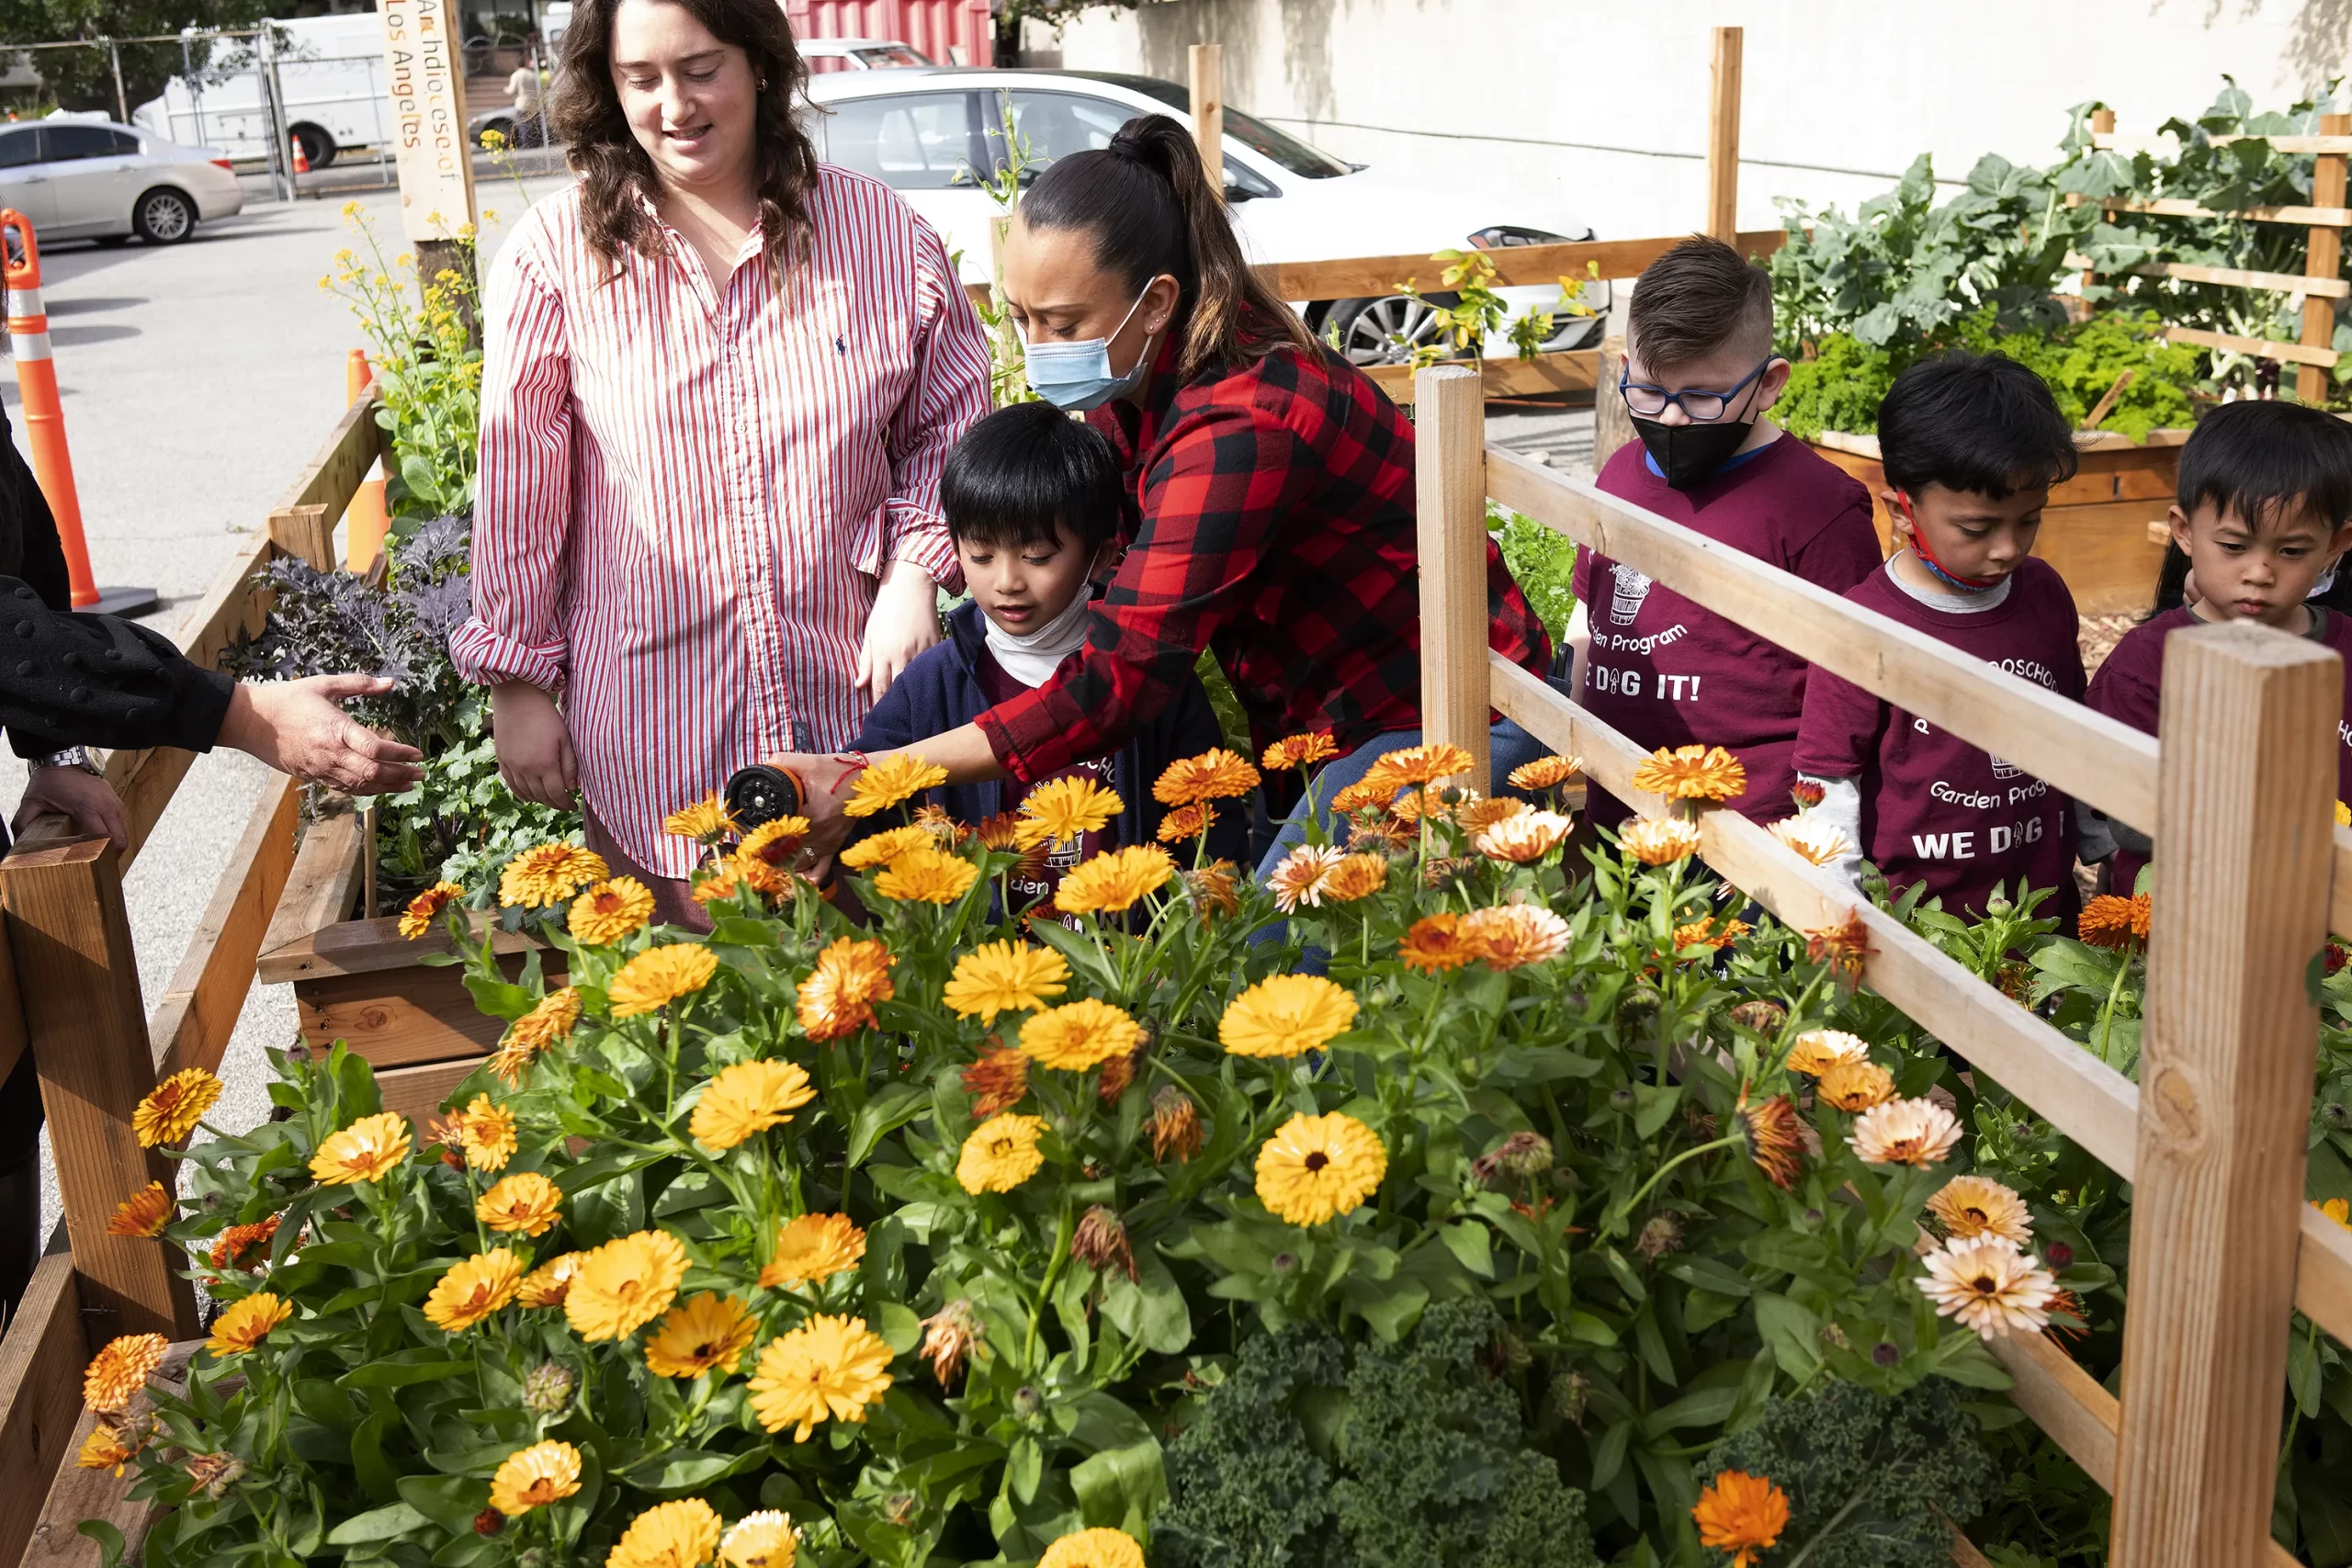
(1273, 492)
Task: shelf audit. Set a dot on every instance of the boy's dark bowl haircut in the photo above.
(1022, 470)
(1695, 299)
(1982, 424)
(2252, 461)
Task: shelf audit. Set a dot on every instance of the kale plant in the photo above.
(1872, 1481)
(1324, 1455)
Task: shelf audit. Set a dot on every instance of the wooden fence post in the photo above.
(1449, 493)
(2102, 124)
(2246, 788)
(1722, 140)
(1613, 422)
(2322, 259)
(1208, 109)
(87, 1027)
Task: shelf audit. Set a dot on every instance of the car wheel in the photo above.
(1384, 330)
(318, 147)
(163, 217)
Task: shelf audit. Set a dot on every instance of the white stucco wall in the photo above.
(1833, 84)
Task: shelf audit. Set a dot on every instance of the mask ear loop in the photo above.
(1928, 557)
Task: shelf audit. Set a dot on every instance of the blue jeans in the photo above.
(1510, 746)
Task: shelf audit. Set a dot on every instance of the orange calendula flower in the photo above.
(889, 782)
(705, 820)
(1709, 933)
(1774, 1137)
(1438, 943)
(837, 999)
(660, 976)
(1479, 813)
(234, 1244)
(486, 1132)
(625, 1284)
(1186, 822)
(247, 1323)
(547, 1285)
(997, 1081)
(1317, 1169)
(681, 1534)
(765, 1538)
(1973, 1206)
(1299, 751)
(549, 874)
(1100, 1547)
(1214, 774)
(1364, 794)
(1818, 1050)
(525, 1203)
(1422, 764)
(1078, 1037)
(1511, 935)
(610, 912)
(106, 1448)
(1071, 806)
(2337, 1209)
(2109, 921)
(1300, 878)
(545, 1025)
(424, 911)
(1355, 876)
(1111, 882)
(172, 1109)
(705, 1333)
(542, 1474)
(473, 1289)
(1691, 772)
(1741, 1514)
(144, 1213)
(1856, 1086)
(365, 1151)
(1546, 773)
(1842, 947)
(1658, 840)
(812, 1248)
(720, 884)
(773, 845)
(120, 1370)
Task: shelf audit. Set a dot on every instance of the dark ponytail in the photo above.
(1148, 201)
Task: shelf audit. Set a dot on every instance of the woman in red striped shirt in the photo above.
(720, 381)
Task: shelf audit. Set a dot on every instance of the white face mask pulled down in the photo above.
(1033, 659)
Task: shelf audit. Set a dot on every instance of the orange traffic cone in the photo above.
(45, 420)
(302, 159)
(365, 522)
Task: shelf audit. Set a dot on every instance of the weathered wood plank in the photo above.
(417, 1092)
(80, 1494)
(2248, 787)
(1527, 266)
(399, 1017)
(2174, 206)
(2260, 347)
(198, 1012)
(1546, 375)
(1722, 137)
(40, 1394)
(369, 947)
(321, 888)
(1450, 479)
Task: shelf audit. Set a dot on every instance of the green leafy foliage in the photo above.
(427, 359)
(1872, 1480)
(1316, 1454)
(1542, 561)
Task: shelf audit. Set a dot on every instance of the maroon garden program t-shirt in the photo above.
(2128, 687)
(1935, 809)
(1668, 673)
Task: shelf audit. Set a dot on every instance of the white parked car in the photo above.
(330, 69)
(828, 55)
(93, 179)
(925, 132)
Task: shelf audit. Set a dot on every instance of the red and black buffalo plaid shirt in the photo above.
(1276, 527)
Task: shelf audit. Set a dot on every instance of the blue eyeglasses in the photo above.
(1703, 408)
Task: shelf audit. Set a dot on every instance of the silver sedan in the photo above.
(92, 179)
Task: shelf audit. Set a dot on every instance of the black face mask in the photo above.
(1690, 454)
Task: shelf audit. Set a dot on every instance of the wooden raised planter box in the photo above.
(2094, 530)
(360, 981)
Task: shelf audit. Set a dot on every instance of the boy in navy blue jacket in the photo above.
(1033, 503)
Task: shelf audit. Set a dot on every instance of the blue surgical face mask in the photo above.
(1076, 376)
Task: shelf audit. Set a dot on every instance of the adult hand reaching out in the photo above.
(300, 727)
(905, 621)
(535, 755)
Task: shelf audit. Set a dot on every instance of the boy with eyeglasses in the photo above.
(1700, 374)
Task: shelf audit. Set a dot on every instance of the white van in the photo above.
(330, 70)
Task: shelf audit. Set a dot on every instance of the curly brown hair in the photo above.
(614, 172)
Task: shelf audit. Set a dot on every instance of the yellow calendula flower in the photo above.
(247, 1323)
(2337, 1209)
(424, 911)
(706, 821)
(705, 1333)
(534, 1477)
(774, 844)
(1186, 822)
(746, 1099)
(545, 1026)
(1097, 1548)
(549, 874)
(1214, 774)
(838, 996)
(365, 1151)
(1856, 1086)
(1691, 772)
(625, 1284)
(926, 876)
(763, 1539)
(1286, 1015)
(172, 1108)
(549, 1284)
(1084, 1034)
(1111, 882)
(1318, 1168)
(1004, 976)
(828, 1366)
(1001, 1154)
(1818, 1050)
(886, 846)
(660, 976)
(1973, 1206)
(525, 1203)
(120, 1370)
(105, 1448)
(812, 1248)
(610, 912)
(487, 1134)
(1355, 876)
(889, 782)
(474, 1289)
(1069, 806)
(669, 1534)
(2342, 815)
(144, 1213)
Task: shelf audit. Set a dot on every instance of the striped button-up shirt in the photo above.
(688, 488)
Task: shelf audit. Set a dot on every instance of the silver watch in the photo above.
(72, 757)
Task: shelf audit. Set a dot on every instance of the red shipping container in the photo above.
(951, 32)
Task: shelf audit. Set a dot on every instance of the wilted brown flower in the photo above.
(1761, 1016)
(1212, 890)
(1385, 834)
(213, 1475)
(237, 1241)
(1120, 1071)
(1842, 947)
(1175, 1124)
(1101, 1241)
(1773, 1137)
(1521, 1156)
(997, 1081)
(950, 1337)
(1661, 1235)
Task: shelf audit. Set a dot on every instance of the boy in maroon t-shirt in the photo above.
(1700, 373)
(1972, 446)
(2265, 509)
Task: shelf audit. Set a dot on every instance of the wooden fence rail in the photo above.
(2240, 791)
